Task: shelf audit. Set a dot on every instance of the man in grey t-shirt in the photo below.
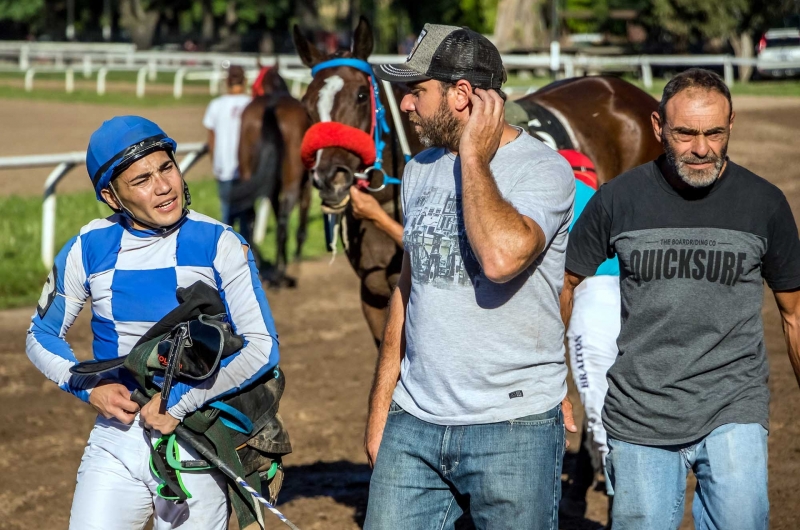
(466, 406)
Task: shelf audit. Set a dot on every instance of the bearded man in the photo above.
(696, 236)
(466, 406)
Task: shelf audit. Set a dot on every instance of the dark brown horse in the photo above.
(604, 117)
(273, 125)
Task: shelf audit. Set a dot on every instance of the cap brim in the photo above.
(398, 73)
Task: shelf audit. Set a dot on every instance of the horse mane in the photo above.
(272, 82)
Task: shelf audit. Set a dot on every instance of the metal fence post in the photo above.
(177, 87)
(727, 69)
(555, 57)
(569, 67)
(262, 220)
(141, 77)
(101, 80)
(647, 74)
(152, 74)
(49, 213)
(213, 83)
(29, 79)
(24, 53)
(87, 66)
(69, 81)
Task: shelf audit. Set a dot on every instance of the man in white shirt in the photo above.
(223, 121)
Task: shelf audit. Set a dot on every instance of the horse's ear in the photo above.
(362, 40)
(308, 53)
(258, 62)
(277, 64)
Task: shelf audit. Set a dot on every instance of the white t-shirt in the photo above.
(223, 116)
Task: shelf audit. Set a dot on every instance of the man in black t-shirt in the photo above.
(696, 236)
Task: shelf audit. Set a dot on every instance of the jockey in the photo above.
(592, 340)
(130, 265)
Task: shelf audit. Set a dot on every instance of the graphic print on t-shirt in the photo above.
(715, 260)
(437, 241)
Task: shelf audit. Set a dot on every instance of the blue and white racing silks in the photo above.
(131, 276)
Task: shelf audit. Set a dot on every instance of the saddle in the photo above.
(244, 429)
(543, 125)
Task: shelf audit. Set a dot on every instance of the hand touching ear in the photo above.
(481, 136)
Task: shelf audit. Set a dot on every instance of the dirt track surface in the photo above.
(327, 355)
(48, 127)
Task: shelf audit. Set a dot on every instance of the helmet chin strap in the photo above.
(187, 200)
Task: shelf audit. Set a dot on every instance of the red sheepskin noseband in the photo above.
(335, 134)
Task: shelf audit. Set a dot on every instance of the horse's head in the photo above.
(340, 94)
(269, 81)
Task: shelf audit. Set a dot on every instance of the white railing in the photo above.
(92, 55)
(298, 77)
(194, 66)
(64, 163)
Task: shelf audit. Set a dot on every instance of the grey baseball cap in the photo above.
(449, 53)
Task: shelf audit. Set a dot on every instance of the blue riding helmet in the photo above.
(120, 142)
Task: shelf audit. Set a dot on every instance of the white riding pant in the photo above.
(117, 490)
(592, 338)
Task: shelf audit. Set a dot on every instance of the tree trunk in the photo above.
(208, 27)
(230, 40)
(305, 11)
(743, 47)
(139, 23)
(519, 25)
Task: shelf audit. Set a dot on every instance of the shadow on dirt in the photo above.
(577, 474)
(347, 483)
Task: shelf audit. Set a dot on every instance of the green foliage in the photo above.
(477, 14)
(709, 18)
(21, 269)
(21, 11)
(704, 19)
(110, 98)
(586, 26)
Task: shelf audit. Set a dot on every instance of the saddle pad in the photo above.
(543, 125)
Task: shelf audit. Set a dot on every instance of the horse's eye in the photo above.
(363, 95)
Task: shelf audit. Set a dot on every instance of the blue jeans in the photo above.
(245, 216)
(506, 474)
(730, 464)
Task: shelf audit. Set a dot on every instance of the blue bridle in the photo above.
(381, 126)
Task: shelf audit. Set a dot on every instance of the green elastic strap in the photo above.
(272, 470)
(173, 457)
(171, 448)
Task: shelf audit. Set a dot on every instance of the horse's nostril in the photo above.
(316, 180)
(342, 178)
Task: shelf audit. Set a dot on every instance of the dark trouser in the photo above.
(246, 216)
(507, 474)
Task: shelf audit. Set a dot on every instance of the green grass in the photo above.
(130, 76)
(109, 98)
(22, 273)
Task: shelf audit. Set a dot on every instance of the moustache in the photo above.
(697, 160)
